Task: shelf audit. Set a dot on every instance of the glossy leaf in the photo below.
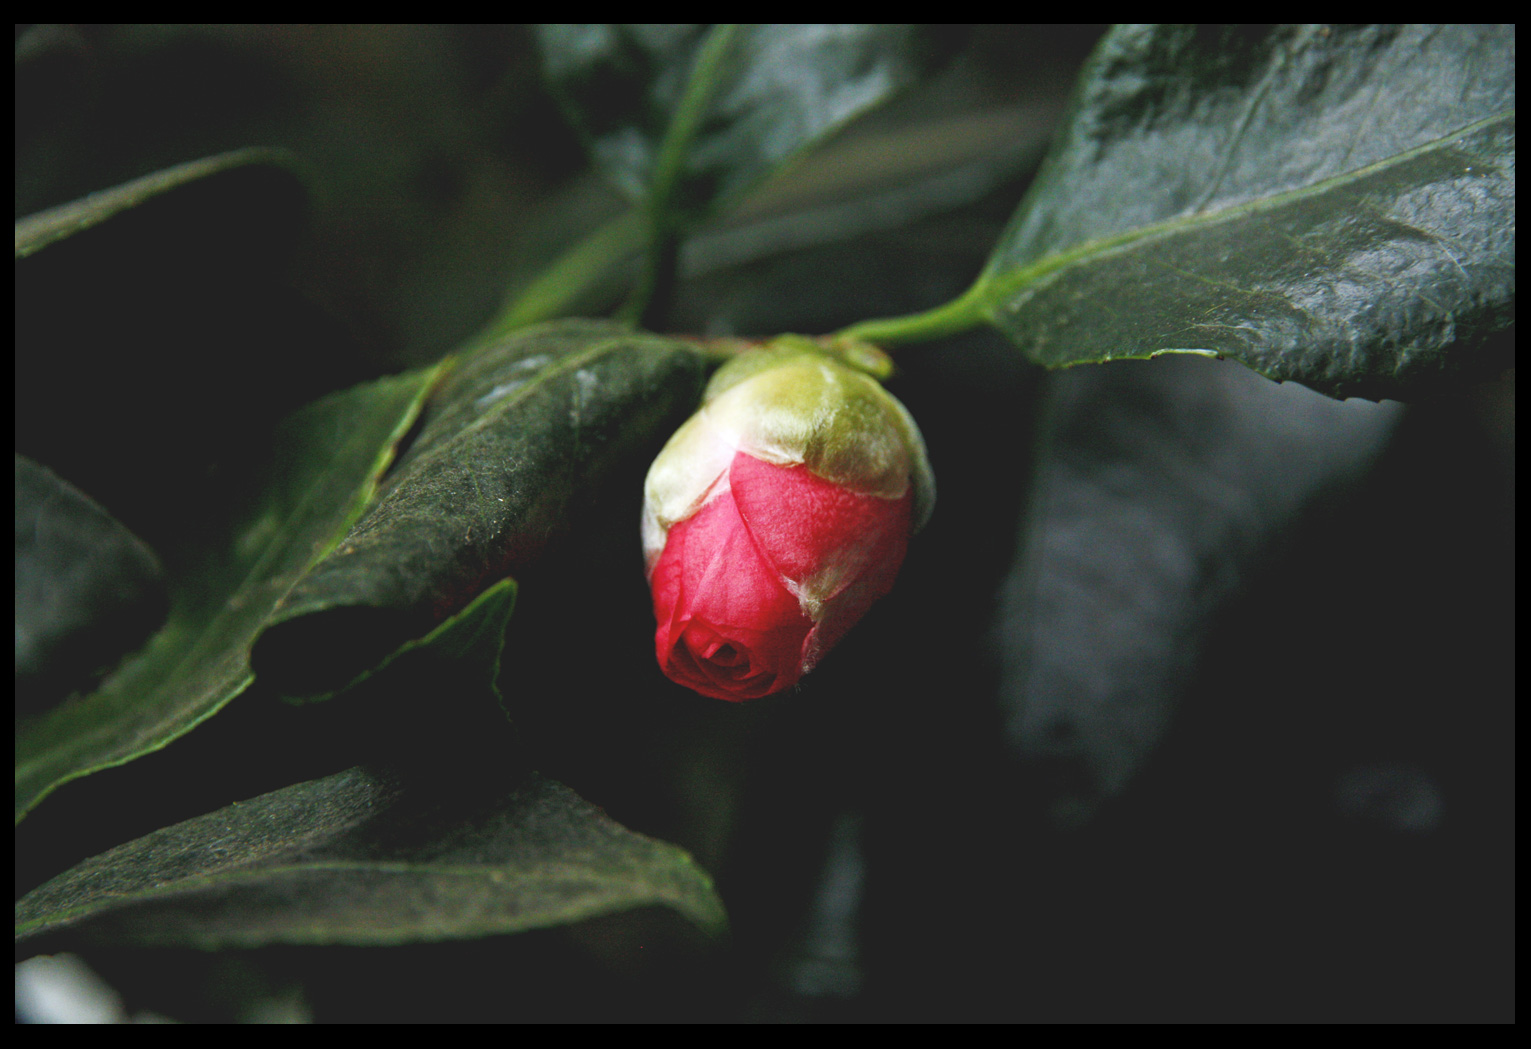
(370, 857)
(521, 436)
(708, 112)
(323, 469)
(1332, 205)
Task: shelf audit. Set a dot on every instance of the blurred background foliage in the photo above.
(1320, 836)
(441, 170)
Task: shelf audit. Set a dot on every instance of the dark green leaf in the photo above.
(522, 434)
(768, 92)
(323, 469)
(88, 591)
(1334, 205)
(370, 857)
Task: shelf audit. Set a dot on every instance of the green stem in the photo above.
(952, 318)
(664, 225)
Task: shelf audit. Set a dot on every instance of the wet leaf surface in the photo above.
(1332, 205)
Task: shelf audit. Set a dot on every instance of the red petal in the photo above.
(802, 522)
(728, 628)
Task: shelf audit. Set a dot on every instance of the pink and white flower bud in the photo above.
(776, 516)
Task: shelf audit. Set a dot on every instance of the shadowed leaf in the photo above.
(322, 469)
(1159, 488)
(370, 857)
(87, 590)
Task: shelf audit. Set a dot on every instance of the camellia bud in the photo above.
(776, 516)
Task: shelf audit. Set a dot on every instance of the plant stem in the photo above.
(951, 318)
(664, 224)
